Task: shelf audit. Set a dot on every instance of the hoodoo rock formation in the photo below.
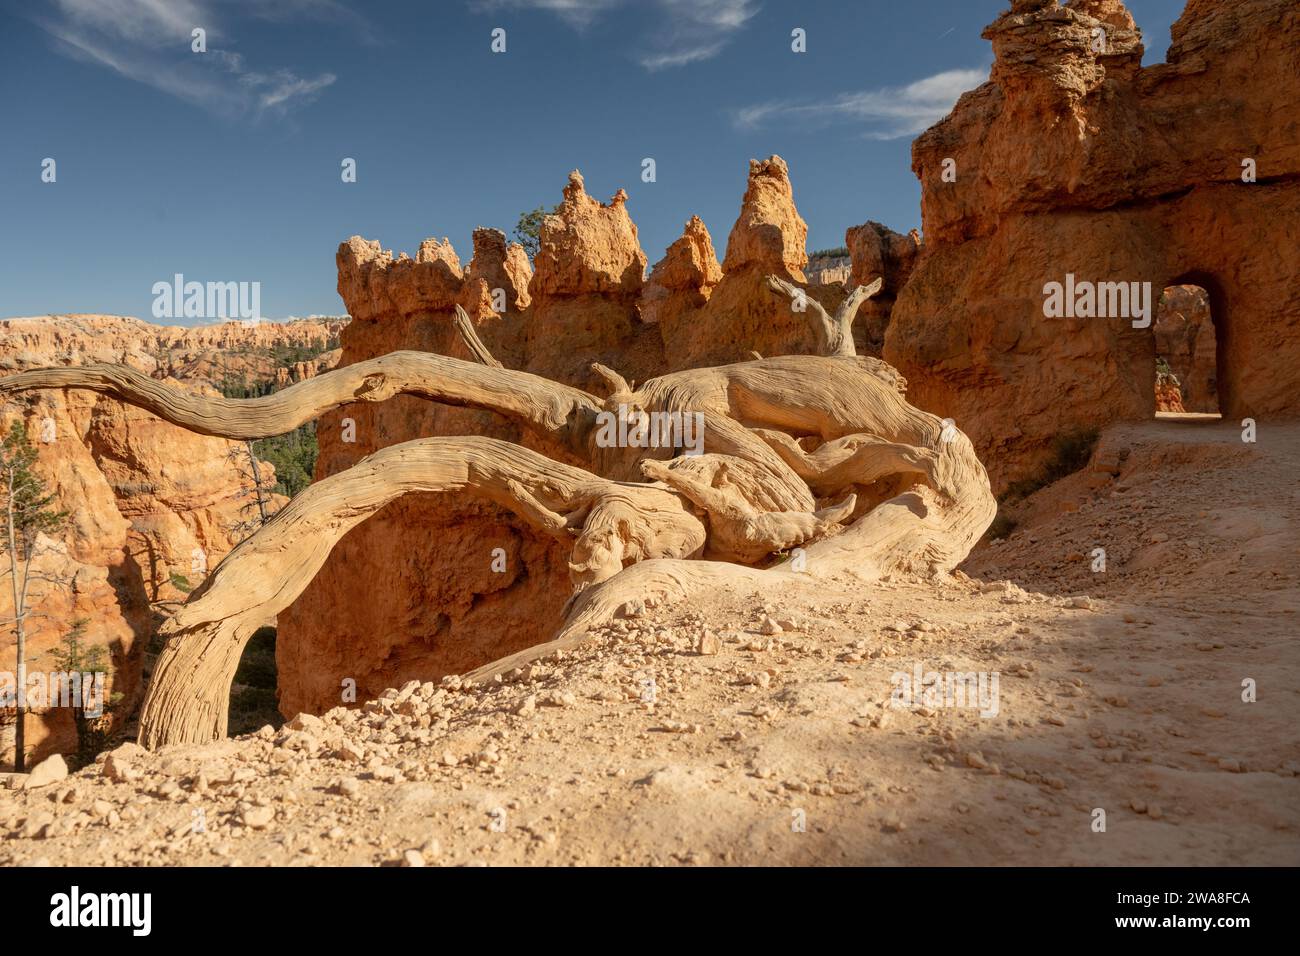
(1074, 159)
(684, 278)
(711, 316)
(589, 270)
(500, 265)
(770, 234)
(877, 252)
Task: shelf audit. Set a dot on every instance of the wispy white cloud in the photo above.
(884, 113)
(688, 31)
(148, 41)
(577, 13)
(321, 11)
(150, 22)
(279, 88)
(680, 57)
(695, 30)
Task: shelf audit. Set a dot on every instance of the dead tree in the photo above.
(820, 452)
(244, 458)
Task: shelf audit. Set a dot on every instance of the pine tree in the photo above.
(528, 231)
(25, 515)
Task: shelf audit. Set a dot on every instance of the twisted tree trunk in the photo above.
(611, 524)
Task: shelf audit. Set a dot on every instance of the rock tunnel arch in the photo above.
(1189, 339)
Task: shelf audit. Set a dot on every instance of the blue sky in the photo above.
(225, 166)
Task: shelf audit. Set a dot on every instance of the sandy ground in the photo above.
(761, 729)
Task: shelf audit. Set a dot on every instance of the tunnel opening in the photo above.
(1187, 353)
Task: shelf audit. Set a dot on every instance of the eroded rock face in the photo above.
(378, 284)
(741, 316)
(1168, 396)
(827, 270)
(1074, 160)
(876, 251)
(416, 589)
(203, 353)
(684, 278)
(690, 262)
(588, 275)
(501, 265)
(143, 497)
(1111, 12)
(588, 246)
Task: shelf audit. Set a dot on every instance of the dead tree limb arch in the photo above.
(609, 523)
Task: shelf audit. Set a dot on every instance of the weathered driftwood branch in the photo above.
(851, 460)
(470, 338)
(617, 384)
(847, 311)
(834, 335)
(538, 402)
(188, 697)
(924, 531)
(738, 531)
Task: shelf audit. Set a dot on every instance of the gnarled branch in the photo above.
(737, 530)
(755, 482)
(188, 697)
(851, 460)
(470, 339)
(834, 335)
(561, 410)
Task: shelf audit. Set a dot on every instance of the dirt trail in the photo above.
(1119, 690)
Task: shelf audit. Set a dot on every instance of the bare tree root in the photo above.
(737, 530)
(920, 533)
(852, 407)
(851, 460)
(834, 335)
(470, 339)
